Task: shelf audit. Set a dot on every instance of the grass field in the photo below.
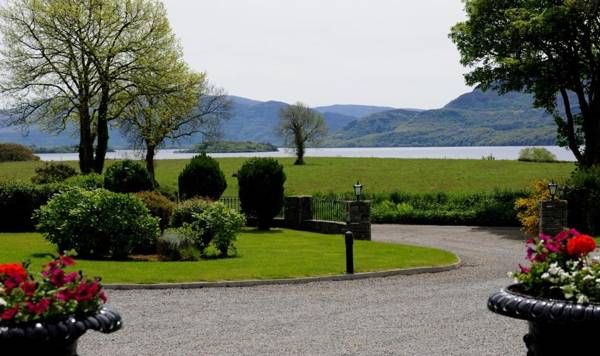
(378, 175)
(261, 255)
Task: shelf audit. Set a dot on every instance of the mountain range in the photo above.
(473, 119)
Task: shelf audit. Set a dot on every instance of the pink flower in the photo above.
(67, 261)
(524, 269)
(29, 288)
(71, 277)
(39, 308)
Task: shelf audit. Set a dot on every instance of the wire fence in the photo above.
(329, 209)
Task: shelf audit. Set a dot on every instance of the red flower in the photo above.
(67, 261)
(39, 308)
(580, 245)
(57, 277)
(29, 288)
(13, 270)
(8, 314)
(71, 277)
(65, 295)
(87, 291)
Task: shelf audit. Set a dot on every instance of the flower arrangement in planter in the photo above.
(48, 314)
(557, 293)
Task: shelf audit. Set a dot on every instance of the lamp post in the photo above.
(358, 190)
(552, 187)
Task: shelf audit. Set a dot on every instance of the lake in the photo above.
(501, 153)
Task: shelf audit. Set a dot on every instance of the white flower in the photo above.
(583, 299)
(3, 303)
(588, 277)
(546, 275)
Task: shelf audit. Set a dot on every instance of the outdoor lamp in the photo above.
(552, 187)
(358, 190)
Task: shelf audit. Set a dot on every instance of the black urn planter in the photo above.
(556, 327)
(55, 339)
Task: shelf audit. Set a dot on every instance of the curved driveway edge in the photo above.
(265, 282)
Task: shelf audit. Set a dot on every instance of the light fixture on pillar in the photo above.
(358, 190)
(552, 187)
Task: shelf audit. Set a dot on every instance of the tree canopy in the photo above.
(300, 125)
(548, 48)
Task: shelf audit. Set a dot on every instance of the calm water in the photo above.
(504, 153)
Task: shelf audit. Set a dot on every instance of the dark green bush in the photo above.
(86, 181)
(53, 173)
(203, 178)
(582, 191)
(98, 223)
(185, 210)
(12, 152)
(18, 201)
(159, 206)
(127, 177)
(217, 225)
(176, 245)
(261, 190)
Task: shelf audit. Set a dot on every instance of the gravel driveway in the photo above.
(429, 314)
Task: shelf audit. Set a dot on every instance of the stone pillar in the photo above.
(359, 219)
(553, 216)
(297, 209)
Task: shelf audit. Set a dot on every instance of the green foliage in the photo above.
(483, 209)
(12, 152)
(98, 223)
(232, 147)
(159, 206)
(261, 190)
(86, 181)
(53, 173)
(176, 245)
(220, 224)
(536, 154)
(202, 177)
(582, 192)
(19, 200)
(299, 126)
(185, 210)
(127, 177)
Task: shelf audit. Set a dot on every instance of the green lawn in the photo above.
(261, 255)
(378, 175)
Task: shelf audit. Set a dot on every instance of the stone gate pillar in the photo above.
(359, 219)
(297, 209)
(553, 216)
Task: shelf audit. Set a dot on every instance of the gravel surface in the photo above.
(429, 314)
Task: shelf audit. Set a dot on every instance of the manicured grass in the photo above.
(261, 255)
(378, 175)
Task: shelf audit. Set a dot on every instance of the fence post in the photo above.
(349, 240)
(359, 219)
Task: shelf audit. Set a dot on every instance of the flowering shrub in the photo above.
(55, 296)
(561, 268)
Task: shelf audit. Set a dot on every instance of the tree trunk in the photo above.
(102, 145)
(86, 142)
(150, 152)
(299, 150)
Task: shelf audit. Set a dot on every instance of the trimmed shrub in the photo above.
(582, 191)
(127, 177)
(159, 206)
(98, 223)
(218, 225)
(53, 173)
(528, 208)
(185, 210)
(261, 190)
(536, 154)
(86, 181)
(12, 152)
(202, 177)
(19, 200)
(176, 245)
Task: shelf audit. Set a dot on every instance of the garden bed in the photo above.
(276, 254)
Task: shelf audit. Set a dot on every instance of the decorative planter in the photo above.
(55, 339)
(556, 327)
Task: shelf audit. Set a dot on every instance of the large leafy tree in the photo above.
(171, 104)
(74, 60)
(299, 125)
(550, 48)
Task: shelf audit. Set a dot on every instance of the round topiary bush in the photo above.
(89, 181)
(202, 177)
(98, 223)
(261, 183)
(127, 177)
(53, 173)
(12, 152)
(159, 206)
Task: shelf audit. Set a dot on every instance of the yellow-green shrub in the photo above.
(528, 210)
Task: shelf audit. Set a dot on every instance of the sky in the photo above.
(321, 52)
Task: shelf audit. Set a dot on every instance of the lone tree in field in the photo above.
(548, 48)
(299, 125)
(67, 61)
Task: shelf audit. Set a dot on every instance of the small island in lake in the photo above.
(231, 147)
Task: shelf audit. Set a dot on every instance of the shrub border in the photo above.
(288, 281)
